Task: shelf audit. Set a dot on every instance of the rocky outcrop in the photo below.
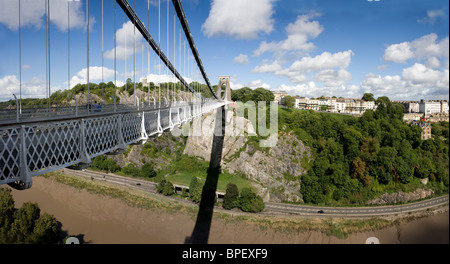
(401, 197)
(275, 171)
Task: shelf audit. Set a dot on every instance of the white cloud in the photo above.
(241, 59)
(125, 43)
(34, 87)
(417, 81)
(268, 68)
(432, 16)
(333, 78)
(398, 53)
(433, 62)
(419, 74)
(424, 47)
(427, 46)
(243, 19)
(32, 13)
(383, 86)
(258, 84)
(95, 75)
(298, 35)
(326, 60)
(311, 89)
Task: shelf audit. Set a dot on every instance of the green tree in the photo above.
(385, 162)
(289, 101)
(243, 95)
(424, 168)
(132, 170)
(46, 230)
(168, 189)
(195, 189)
(231, 198)
(250, 201)
(160, 186)
(261, 94)
(147, 170)
(403, 170)
(368, 97)
(24, 223)
(6, 213)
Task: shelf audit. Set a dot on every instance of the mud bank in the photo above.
(101, 219)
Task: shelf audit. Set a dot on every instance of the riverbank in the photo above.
(156, 220)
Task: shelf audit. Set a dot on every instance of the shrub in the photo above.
(231, 198)
(147, 171)
(168, 189)
(250, 201)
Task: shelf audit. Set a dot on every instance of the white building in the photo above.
(433, 107)
(279, 95)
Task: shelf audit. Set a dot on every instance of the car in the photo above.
(320, 212)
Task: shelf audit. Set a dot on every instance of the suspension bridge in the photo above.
(35, 141)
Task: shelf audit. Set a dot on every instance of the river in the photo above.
(101, 219)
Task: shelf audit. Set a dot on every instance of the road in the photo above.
(368, 211)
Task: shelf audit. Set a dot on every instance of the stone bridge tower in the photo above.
(224, 80)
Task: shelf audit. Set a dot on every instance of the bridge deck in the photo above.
(34, 147)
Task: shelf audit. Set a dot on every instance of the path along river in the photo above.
(103, 219)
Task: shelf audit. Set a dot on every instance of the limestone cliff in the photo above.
(275, 171)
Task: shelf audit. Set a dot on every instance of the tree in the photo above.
(358, 168)
(250, 201)
(147, 171)
(289, 101)
(6, 213)
(46, 230)
(231, 198)
(262, 95)
(24, 223)
(243, 95)
(403, 170)
(195, 189)
(131, 169)
(385, 161)
(168, 189)
(160, 186)
(368, 97)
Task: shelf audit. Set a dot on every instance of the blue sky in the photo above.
(394, 48)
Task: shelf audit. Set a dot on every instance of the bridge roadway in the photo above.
(282, 208)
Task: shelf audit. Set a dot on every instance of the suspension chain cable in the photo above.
(87, 49)
(115, 57)
(102, 57)
(20, 65)
(134, 58)
(49, 68)
(159, 44)
(148, 54)
(174, 53)
(168, 53)
(68, 45)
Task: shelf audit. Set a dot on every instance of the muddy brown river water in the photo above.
(101, 219)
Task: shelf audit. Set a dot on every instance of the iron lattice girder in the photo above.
(126, 7)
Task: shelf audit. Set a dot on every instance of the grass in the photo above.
(184, 178)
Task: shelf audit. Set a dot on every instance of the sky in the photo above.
(394, 48)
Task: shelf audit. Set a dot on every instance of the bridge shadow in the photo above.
(202, 227)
